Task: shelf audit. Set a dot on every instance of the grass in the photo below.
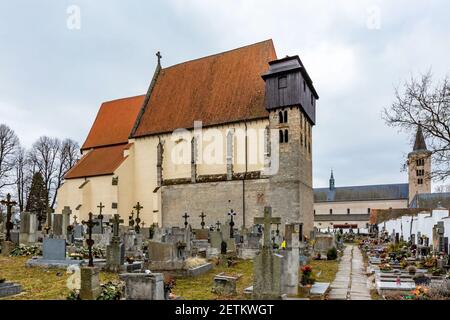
(199, 288)
(327, 269)
(39, 283)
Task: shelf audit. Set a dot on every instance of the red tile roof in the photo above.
(114, 122)
(221, 88)
(98, 162)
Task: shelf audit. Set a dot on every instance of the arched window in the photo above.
(281, 136)
(280, 117)
(285, 118)
(286, 136)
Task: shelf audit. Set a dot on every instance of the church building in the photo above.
(351, 207)
(222, 135)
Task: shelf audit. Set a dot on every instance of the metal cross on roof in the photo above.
(90, 224)
(158, 54)
(9, 225)
(185, 216)
(203, 220)
(267, 221)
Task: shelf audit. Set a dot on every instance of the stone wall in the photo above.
(212, 199)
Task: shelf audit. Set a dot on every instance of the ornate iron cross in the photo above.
(9, 225)
(231, 214)
(131, 219)
(186, 216)
(100, 216)
(138, 208)
(203, 220)
(90, 224)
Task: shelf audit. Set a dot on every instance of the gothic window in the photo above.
(348, 211)
(159, 160)
(281, 136)
(301, 140)
(420, 162)
(280, 117)
(304, 86)
(193, 159)
(285, 118)
(420, 172)
(230, 155)
(368, 210)
(309, 147)
(331, 211)
(286, 136)
(282, 82)
(267, 145)
(420, 181)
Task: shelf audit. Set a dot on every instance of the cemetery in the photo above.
(398, 257)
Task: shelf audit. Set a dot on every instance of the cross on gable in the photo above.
(267, 221)
(158, 54)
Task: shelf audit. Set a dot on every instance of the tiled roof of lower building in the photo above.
(397, 191)
(431, 200)
(98, 162)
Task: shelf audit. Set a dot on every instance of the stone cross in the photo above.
(75, 220)
(267, 221)
(9, 225)
(231, 214)
(185, 219)
(90, 224)
(115, 224)
(138, 208)
(203, 220)
(100, 216)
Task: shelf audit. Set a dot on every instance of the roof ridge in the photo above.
(220, 53)
(124, 98)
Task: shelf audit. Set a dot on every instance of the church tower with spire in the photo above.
(419, 167)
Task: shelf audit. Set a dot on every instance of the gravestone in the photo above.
(215, 239)
(291, 259)
(66, 212)
(90, 283)
(201, 234)
(322, 243)
(225, 228)
(78, 231)
(54, 249)
(143, 286)
(268, 266)
(58, 225)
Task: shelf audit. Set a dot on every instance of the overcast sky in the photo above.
(54, 76)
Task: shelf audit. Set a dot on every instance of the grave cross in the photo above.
(115, 224)
(90, 224)
(9, 225)
(267, 221)
(131, 219)
(75, 222)
(203, 220)
(100, 216)
(138, 208)
(231, 214)
(185, 216)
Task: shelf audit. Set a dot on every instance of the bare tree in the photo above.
(68, 155)
(423, 103)
(9, 143)
(24, 173)
(44, 155)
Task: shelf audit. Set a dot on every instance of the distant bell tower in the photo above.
(291, 102)
(331, 180)
(419, 167)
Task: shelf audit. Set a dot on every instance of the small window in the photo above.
(348, 211)
(282, 82)
(280, 117)
(420, 181)
(312, 99)
(281, 136)
(314, 211)
(331, 211)
(304, 86)
(368, 210)
(285, 118)
(286, 136)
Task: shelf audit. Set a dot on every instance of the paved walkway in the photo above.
(350, 282)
